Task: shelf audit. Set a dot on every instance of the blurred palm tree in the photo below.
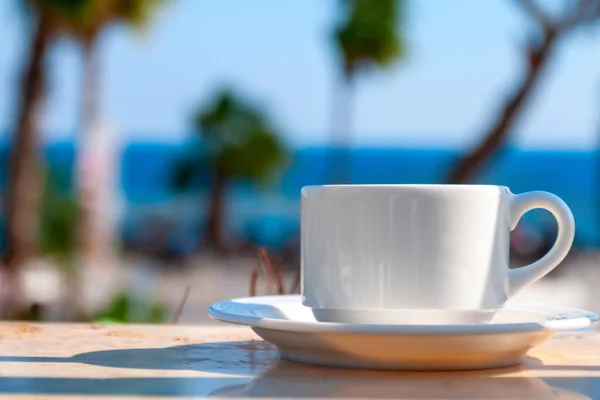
(48, 19)
(237, 140)
(548, 30)
(366, 37)
(24, 182)
(85, 22)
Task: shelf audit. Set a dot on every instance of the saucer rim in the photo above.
(579, 319)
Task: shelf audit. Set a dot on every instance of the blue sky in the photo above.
(463, 56)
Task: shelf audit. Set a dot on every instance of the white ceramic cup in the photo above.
(418, 254)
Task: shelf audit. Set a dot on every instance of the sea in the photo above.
(268, 213)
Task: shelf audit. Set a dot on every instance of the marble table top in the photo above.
(80, 361)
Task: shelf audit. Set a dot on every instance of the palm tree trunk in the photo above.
(214, 223)
(500, 129)
(87, 231)
(340, 160)
(24, 186)
(89, 125)
(91, 87)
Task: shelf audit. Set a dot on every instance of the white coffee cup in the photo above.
(418, 254)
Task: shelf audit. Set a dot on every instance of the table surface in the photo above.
(142, 361)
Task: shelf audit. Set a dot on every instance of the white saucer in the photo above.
(285, 322)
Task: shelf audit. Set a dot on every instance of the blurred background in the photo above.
(152, 152)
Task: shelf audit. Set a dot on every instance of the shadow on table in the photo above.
(233, 358)
(253, 369)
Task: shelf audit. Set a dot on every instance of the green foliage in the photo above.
(127, 308)
(137, 13)
(84, 19)
(239, 138)
(57, 234)
(368, 35)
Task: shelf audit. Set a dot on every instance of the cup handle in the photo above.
(521, 277)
